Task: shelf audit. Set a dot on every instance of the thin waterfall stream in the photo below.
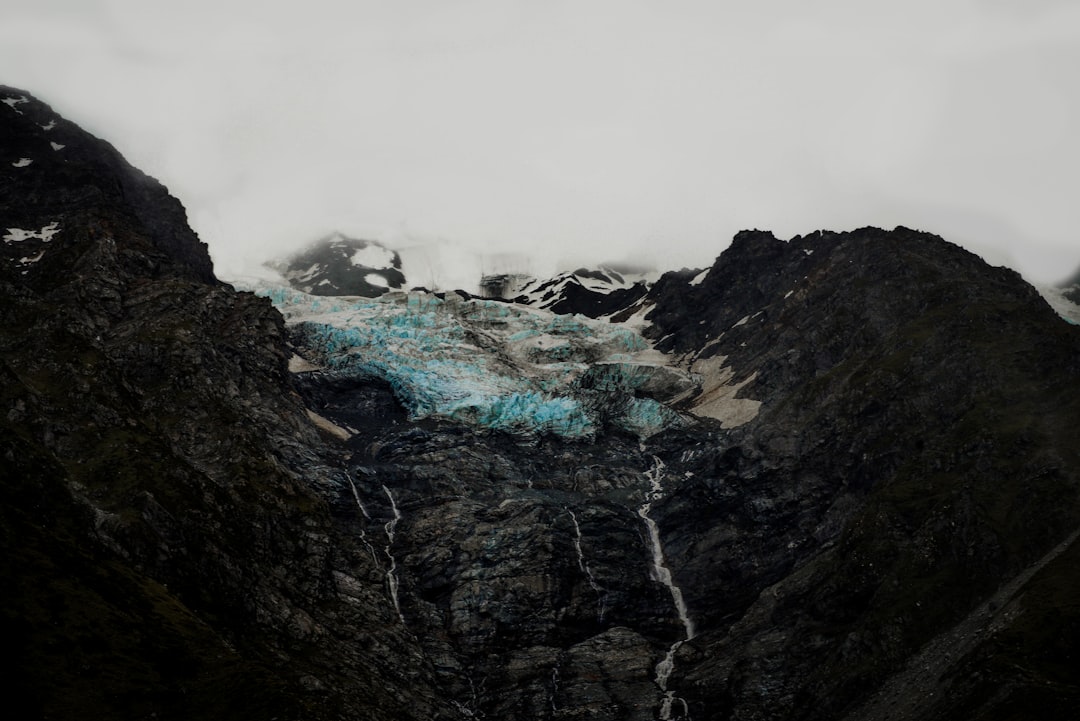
(663, 574)
(601, 594)
(391, 572)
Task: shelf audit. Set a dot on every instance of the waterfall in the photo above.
(363, 511)
(391, 572)
(601, 594)
(663, 574)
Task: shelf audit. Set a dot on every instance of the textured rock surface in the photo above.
(911, 456)
(176, 537)
(888, 534)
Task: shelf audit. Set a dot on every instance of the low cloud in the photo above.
(574, 130)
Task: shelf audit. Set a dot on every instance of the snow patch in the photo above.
(700, 277)
(57, 146)
(743, 321)
(376, 280)
(373, 256)
(30, 260)
(328, 426)
(49, 126)
(788, 294)
(17, 100)
(22, 162)
(636, 321)
(15, 235)
(299, 364)
(717, 399)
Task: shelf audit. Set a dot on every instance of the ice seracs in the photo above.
(490, 364)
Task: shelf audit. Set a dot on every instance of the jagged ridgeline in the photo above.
(834, 477)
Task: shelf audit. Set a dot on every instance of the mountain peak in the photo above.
(74, 192)
(340, 265)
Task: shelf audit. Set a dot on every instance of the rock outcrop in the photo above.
(913, 429)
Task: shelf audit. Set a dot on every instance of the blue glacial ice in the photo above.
(486, 363)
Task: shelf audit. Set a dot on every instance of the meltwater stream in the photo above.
(601, 595)
(364, 513)
(663, 574)
(391, 572)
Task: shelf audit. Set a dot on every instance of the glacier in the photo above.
(489, 364)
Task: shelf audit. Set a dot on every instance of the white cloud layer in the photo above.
(584, 129)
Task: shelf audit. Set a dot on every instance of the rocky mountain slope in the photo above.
(338, 265)
(215, 508)
(594, 293)
(177, 538)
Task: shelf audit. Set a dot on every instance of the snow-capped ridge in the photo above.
(340, 265)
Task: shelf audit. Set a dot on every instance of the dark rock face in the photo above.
(184, 532)
(337, 265)
(177, 538)
(889, 480)
(51, 172)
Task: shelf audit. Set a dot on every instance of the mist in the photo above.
(579, 132)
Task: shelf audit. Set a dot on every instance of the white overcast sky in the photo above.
(583, 129)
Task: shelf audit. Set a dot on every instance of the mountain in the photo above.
(594, 293)
(833, 477)
(171, 539)
(337, 265)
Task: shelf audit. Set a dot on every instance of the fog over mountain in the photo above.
(579, 132)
